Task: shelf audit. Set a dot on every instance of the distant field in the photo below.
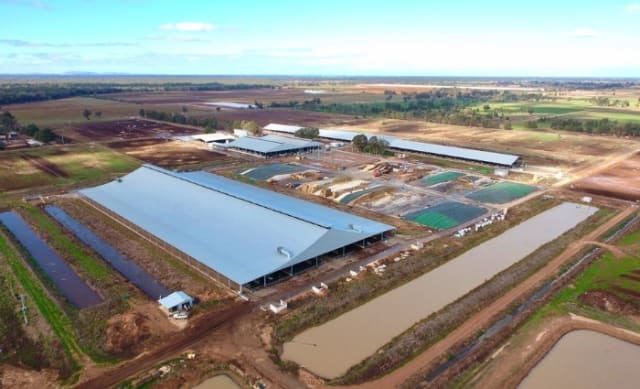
(60, 165)
(58, 113)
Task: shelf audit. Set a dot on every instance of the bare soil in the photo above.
(169, 153)
(608, 302)
(14, 377)
(126, 129)
(538, 147)
(621, 181)
(279, 115)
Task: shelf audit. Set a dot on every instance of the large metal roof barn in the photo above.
(411, 146)
(241, 234)
(273, 145)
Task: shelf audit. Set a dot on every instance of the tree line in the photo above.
(13, 93)
(210, 123)
(602, 126)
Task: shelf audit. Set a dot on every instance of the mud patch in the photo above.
(608, 302)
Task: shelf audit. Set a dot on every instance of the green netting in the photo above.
(442, 177)
(502, 192)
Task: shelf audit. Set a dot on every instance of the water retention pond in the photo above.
(134, 273)
(72, 287)
(587, 359)
(329, 350)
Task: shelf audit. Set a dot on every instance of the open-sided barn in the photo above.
(244, 236)
(272, 145)
(463, 153)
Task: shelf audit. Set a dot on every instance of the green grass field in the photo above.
(502, 192)
(56, 317)
(72, 164)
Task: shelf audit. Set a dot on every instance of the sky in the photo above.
(329, 37)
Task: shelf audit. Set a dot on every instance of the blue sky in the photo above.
(400, 37)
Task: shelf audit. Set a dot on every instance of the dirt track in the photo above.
(198, 330)
(483, 318)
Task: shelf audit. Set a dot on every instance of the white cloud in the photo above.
(634, 7)
(583, 33)
(188, 26)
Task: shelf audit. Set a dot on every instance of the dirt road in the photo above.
(198, 330)
(483, 318)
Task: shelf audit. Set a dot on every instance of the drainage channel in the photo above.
(538, 295)
(134, 273)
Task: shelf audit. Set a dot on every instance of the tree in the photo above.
(45, 135)
(86, 113)
(360, 141)
(97, 114)
(251, 126)
(377, 145)
(258, 104)
(8, 123)
(530, 110)
(507, 126)
(30, 130)
(308, 133)
(184, 109)
(141, 112)
(486, 107)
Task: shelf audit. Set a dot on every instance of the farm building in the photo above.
(228, 104)
(273, 145)
(242, 235)
(177, 301)
(463, 153)
(210, 138)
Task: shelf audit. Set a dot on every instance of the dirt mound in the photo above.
(125, 332)
(608, 302)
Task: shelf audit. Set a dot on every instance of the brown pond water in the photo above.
(331, 349)
(587, 359)
(218, 382)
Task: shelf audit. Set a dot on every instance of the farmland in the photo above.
(442, 210)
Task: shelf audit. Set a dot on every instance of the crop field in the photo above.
(60, 166)
(446, 215)
(502, 192)
(170, 154)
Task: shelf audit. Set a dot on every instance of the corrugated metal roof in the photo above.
(455, 152)
(175, 299)
(232, 227)
(272, 144)
(409, 145)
